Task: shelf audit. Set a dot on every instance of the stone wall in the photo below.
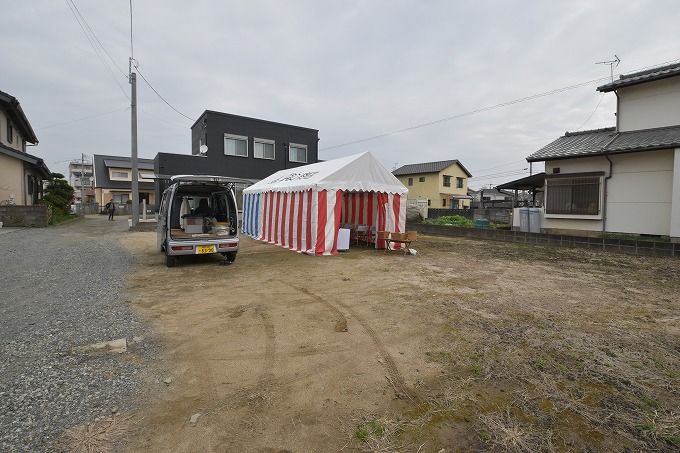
(23, 216)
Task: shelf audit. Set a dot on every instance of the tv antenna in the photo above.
(612, 64)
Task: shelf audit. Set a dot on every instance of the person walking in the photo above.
(111, 208)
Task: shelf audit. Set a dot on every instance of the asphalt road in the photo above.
(64, 287)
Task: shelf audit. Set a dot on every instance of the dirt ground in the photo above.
(469, 345)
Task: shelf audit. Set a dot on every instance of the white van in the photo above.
(198, 215)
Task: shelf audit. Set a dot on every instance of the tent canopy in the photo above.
(359, 172)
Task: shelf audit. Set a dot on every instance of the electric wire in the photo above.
(592, 113)
(486, 109)
(161, 97)
(97, 52)
(96, 38)
(97, 115)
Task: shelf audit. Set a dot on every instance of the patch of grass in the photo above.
(56, 218)
(636, 237)
(455, 220)
(674, 440)
(372, 428)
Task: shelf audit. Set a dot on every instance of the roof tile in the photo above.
(605, 141)
(635, 78)
(428, 167)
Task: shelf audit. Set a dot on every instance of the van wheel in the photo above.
(231, 256)
(170, 261)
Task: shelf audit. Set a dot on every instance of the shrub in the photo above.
(457, 220)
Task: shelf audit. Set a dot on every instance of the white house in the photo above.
(623, 179)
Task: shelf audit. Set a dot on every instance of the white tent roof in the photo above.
(359, 172)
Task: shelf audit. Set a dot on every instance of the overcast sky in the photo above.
(351, 69)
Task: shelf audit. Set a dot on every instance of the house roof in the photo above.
(28, 158)
(607, 141)
(231, 115)
(142, 164)
(428, 167)
(101, 164)
(634, 78)
(18, 116)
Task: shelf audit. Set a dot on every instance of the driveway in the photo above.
(64, 287)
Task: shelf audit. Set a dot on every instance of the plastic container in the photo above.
(524, 220)
(481, 224)
(534, 220)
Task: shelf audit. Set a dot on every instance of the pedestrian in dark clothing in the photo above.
(111, 208)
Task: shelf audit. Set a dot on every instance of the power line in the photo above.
(96, 38)
(484, 109)
(499, 174)
(95, 48)
(591, 113)
(84, 118)
(500, 165)
(161, 97)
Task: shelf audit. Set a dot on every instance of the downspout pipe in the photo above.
(604, 203)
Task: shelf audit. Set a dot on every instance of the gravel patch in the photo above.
(63, 288)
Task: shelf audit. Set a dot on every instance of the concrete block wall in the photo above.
(24, 216)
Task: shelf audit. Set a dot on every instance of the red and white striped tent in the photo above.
(302, 208)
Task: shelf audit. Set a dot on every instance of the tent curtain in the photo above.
(308, 221)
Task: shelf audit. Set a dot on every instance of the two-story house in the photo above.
(444, 184)
(21, 174)
(622, 179)
(244, 149)
(113, 180)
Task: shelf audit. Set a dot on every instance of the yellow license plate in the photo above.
(201, 249)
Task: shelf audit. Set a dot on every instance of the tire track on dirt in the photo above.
(269, 347)
(394, 376)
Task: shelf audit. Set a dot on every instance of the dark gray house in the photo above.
(246, 149)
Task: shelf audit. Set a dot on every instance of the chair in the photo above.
(362, 233)
(403, 238)
(384, 236)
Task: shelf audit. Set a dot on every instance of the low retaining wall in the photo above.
(632, 247)
(24, 216)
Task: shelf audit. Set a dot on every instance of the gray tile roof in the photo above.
(102, 163)
(607, 141)
(635, 78)
(428, 167)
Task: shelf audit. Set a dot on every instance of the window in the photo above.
(447, 181)
(10, 132)
(459, 183)
(410, 181)
(297, 153)
(235, 145)
(263, 149)
(421, 179)
(121, 198)
(146, 176)
(428, 202)
(574, 195)
(120, 174)
(443, 202)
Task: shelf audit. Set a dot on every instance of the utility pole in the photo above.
(135, 179)
(82, 185)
